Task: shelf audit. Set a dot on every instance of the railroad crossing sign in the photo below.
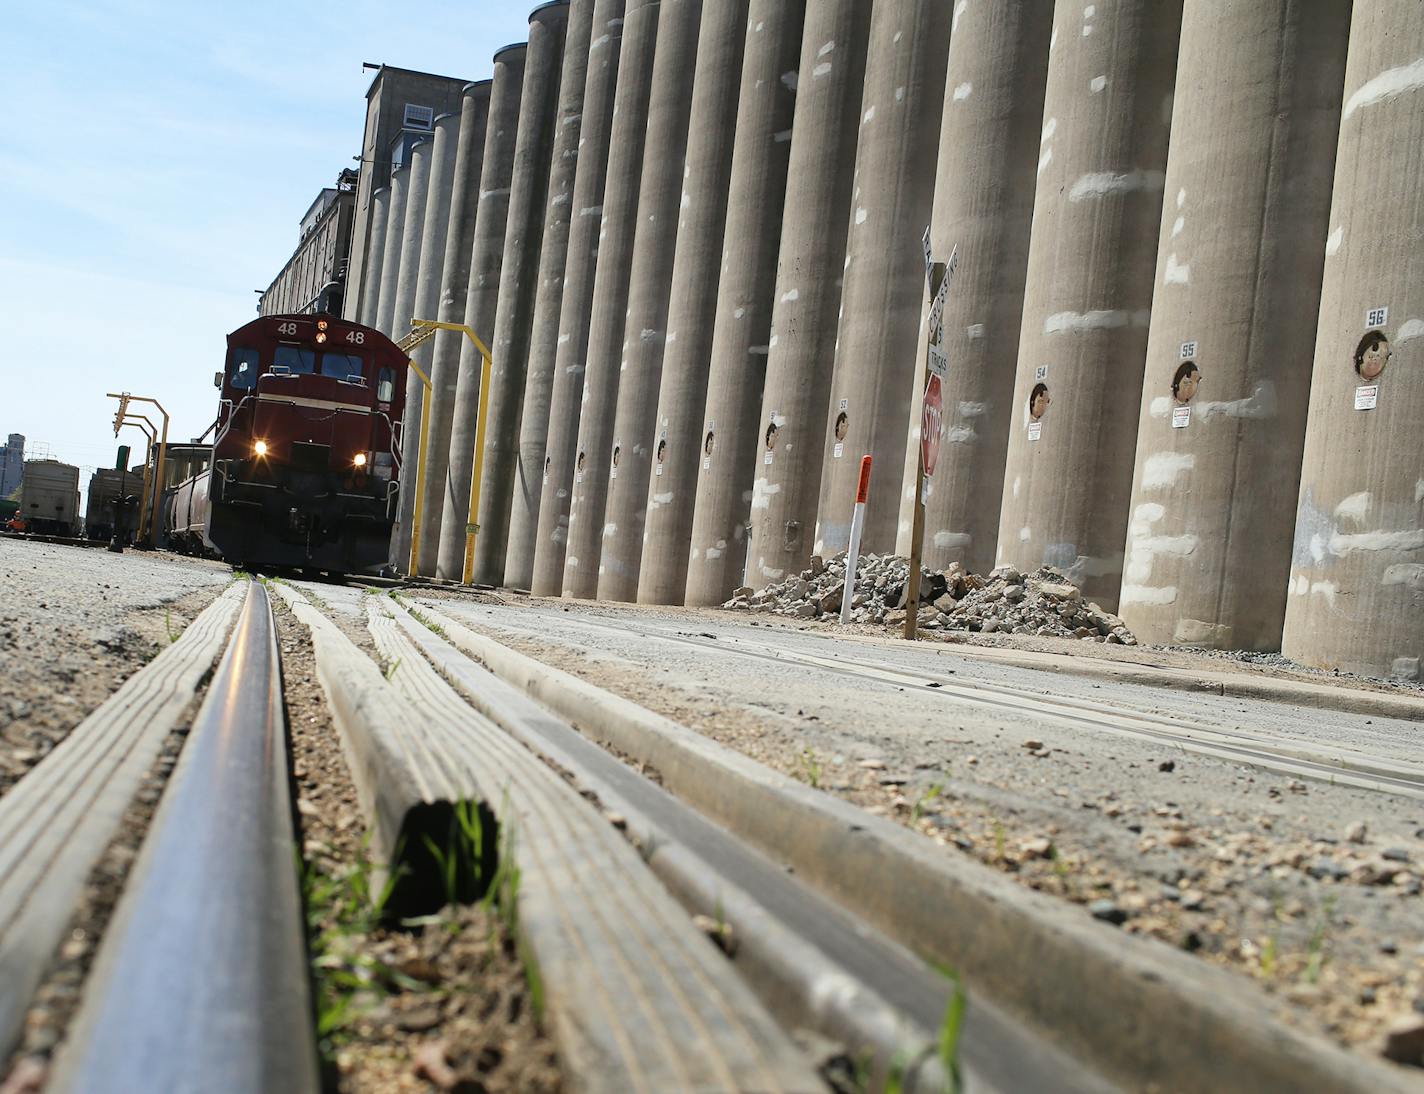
(931, 424)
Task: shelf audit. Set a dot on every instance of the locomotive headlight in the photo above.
(259, 448)
(360, 459)
(321, 324)
(320, 338)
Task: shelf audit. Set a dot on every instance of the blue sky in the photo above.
(157, 157)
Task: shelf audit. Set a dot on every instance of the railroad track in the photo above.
(1339, 765)
(838, 918)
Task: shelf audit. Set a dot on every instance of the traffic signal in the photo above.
(121, 462)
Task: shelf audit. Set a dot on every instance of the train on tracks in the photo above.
(305, 461)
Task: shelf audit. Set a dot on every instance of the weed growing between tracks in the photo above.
(439, 1002)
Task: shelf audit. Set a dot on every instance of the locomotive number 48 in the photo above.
(286, 328)
(356, 336)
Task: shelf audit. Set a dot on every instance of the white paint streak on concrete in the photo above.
(1261, 403)
(1325, 589)
(822, 69)
(1050, 127)
(1025, 534)
(1387, 85)
(899, 94)
(974, 331)
(959, 9)
(1408, 331)
(1408, 540)
(961, 434)
(1072, 322)
(1177, 226)
(1098, 184)
(1181, 197)
(1146, 594)
(869, 115)
(952, 539)
(973, 410)
(1162, 469)
(826, 48)
(1354, 508)
(1337, 237)
(860, 215)
(1018, 482)
(963, 91)
(1176, 273)
(793, 294)
(1097, 83)
(1044, 160)
(1419, 491)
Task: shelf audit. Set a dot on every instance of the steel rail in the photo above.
(1281, 754)
(815, 963)
(1142, 1013)
(201, 981)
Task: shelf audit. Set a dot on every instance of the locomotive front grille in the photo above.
(310, 457)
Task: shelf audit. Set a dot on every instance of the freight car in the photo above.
(305, 464)
(101, 508)
(49, 497)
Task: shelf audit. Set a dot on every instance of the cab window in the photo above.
(242, 372)
(296, 359)
(386, 385)
(344, 366)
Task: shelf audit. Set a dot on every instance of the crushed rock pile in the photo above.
(1007, 601)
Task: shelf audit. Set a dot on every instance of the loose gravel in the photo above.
(74, 624)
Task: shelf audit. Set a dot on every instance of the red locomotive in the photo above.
(305, 465)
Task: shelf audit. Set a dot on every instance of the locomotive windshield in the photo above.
(295, 359)
(244, 368)
(344, 366)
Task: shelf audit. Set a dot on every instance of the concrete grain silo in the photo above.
(403, 308)
(596, 442)
(645, 330)
(548, 298)
(988, 150)
(454, 284)
(1088, 294)
(878, 341)
(391, 250)
(1255, 120)
(742, 328)
(1356, 598)
(518, 282)
(810, 274)
(692, 306)
(481, 300)
(435, 226)
(371, 284)
(576, 309)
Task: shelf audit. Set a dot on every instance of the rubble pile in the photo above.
(1006, 601)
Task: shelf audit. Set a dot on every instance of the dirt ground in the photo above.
(75, 623)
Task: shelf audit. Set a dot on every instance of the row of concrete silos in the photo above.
(691, 233)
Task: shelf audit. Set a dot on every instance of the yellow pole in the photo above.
(161, 439)
(143, 495)
(413, 569)
(472, 525)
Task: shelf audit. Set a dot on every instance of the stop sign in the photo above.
(931, 422)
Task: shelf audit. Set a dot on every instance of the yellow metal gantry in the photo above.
(421, 331)
(158, 440)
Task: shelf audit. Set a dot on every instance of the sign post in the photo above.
(931, 423)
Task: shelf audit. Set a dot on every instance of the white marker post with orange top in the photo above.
(857, 522)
